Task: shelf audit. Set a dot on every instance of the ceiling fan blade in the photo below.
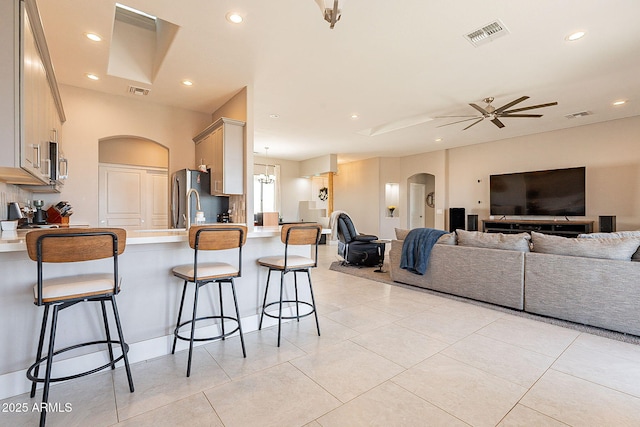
(497, 123)
(460, 121)
(520, 115)
(446, 117)
(550, 104)
(511, 104)
(474, 123)
(482, 110)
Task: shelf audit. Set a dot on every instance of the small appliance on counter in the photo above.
(39, 216)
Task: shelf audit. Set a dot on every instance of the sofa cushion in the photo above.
(617, 235)
(478, 239)
(446, 239)
(621, 248)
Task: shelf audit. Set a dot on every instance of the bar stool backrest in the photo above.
(217, 237)
(75, 244)
(301, 234)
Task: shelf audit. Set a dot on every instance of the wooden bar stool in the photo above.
(69, 246)
(292, 234)
(210, 238)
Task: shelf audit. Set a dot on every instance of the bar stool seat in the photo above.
(292, 234)
(214, 237)
(70, 246)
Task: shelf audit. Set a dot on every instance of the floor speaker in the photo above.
(456, 219)
(607, 223)
(472, 222)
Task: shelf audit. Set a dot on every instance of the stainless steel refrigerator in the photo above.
(184, 180)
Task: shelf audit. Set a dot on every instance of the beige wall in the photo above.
(133, 151)
(92, 115)
(609, 150)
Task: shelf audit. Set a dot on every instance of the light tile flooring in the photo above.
(387, 356)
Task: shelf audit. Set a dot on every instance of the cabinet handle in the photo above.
(64, 171)
(55, 135)
(36, 152)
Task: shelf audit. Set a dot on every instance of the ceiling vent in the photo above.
(487, 33)
(579, 114)
(138, 90)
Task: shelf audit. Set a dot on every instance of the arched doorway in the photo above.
(421, 198)
(133, 183)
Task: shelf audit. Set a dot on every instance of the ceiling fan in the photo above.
(494, 114)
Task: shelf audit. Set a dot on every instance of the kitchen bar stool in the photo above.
(210, 238)
(292, 234)
(69, 246)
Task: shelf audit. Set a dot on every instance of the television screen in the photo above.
(550, 192)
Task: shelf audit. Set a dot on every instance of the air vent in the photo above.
(579, 114)
(487, 33)
(138, 90)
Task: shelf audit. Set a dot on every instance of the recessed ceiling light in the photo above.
(274, 116)
(234, 17)
(575, 36)
(620, 102)
(438, 140)
(355, 116)
(93, 37)
(187, 82)
(92, 76)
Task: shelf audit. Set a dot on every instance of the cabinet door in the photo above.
(217, 168)
(233, 155)
(205, 152)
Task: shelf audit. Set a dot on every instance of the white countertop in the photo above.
(14, 241)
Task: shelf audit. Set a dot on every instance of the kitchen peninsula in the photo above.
(148, 302)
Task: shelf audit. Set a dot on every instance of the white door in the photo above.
(132, 197)
(416, 205)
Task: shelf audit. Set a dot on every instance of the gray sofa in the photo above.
(598, 292)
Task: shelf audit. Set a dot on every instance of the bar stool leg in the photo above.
(280, 309)
(313, 301)
(193, 328)
(47, 375)
(221, 310)
(123, 345)
(106, 328)
(235, 302)
(40, 345)
(175, 332)
(295, 285)
(264, 301)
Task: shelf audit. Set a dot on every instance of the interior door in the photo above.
(417, 199)
(121, 198)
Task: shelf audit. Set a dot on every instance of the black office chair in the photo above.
(357, 249)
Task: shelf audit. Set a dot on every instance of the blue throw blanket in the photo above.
(416, 249)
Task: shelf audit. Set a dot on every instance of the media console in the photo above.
(559, 227)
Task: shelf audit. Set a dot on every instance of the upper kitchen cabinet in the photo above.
(31, 113)
(221, 147)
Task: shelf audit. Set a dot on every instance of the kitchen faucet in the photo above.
(188, 210)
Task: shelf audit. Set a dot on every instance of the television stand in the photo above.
(560, 228)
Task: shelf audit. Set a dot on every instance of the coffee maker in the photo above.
(39, 216)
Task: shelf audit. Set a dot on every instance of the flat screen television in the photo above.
(550, 192)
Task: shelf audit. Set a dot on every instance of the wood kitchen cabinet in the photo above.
(221, 147)
(31, 113)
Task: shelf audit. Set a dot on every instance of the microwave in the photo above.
(59, 167)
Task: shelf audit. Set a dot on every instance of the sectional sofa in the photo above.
(592, 280)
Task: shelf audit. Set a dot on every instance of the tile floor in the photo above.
(387, 356)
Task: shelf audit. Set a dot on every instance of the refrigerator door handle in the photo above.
(175, 204)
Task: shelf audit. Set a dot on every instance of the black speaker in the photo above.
(456, 219)
(607, 224)
(472, 222)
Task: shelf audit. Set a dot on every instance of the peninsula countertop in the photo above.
(14, 241)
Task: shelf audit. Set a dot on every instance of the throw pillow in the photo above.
(477, 239)
(620, 249)
(617, 235)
